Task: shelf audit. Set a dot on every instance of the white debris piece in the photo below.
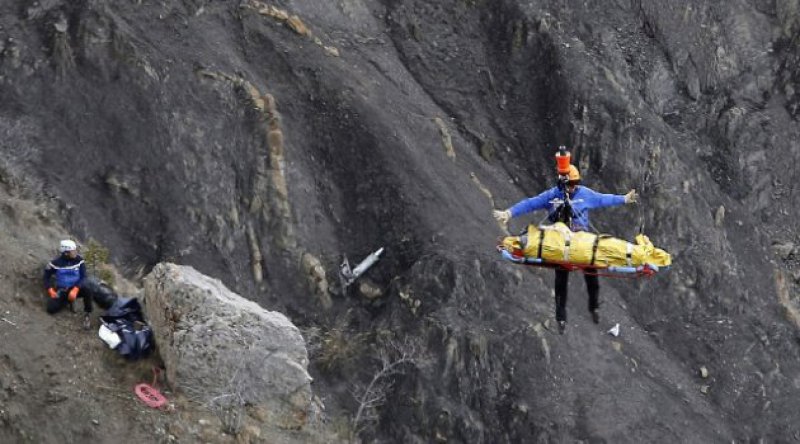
(111, 338)
(348, 275)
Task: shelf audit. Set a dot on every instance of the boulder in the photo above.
(220, 347)
(784, 249)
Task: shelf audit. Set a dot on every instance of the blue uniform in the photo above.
(582, 200)
(68, 272)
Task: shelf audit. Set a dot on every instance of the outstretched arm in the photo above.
(600, 200)
(530, 204)
(526, 206)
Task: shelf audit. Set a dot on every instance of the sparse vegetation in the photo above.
(394, 357)
(338, 348)
(518, 39)
(96, 256)
(341, 426)
(230, 406)
(334, 349)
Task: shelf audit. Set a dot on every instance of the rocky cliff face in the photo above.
(257, 142)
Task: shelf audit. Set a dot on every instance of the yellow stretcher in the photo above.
(555, 245)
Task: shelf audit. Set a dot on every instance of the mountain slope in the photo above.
(249, 143)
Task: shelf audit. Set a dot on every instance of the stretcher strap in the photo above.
(567, 241)
(629, 253)
(541, 244)
(594, 248)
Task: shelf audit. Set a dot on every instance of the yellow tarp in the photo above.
(559, 244)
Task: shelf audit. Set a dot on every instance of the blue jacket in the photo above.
(582, 200)
(68, 272)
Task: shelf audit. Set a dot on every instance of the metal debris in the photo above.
(348, 275)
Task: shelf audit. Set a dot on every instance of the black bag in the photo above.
(124, 308)
(125, 319)
(101, 293)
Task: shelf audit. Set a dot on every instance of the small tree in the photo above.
(335, 349)
(394, 357)
(96, 257)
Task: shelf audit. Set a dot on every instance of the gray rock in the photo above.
(692, 81)
(217, 345)
(317, 279)
(369, 290)
(719, 216)
(784, 249)
(56, 396)
(61, 26)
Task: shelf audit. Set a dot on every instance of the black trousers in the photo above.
(562, 279)
(61, 301)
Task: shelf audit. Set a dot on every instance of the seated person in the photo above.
(69, 271)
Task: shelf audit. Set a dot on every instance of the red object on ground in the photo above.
(149, 395)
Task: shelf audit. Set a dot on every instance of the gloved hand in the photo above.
(502, 216)
(52, 293)
(73, 294)
(631, 197)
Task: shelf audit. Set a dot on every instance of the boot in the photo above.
(87, 322)
(595, 317)
(562, 325)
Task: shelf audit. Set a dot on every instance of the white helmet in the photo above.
(67, 245)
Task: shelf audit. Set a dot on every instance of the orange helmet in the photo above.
(574, 175)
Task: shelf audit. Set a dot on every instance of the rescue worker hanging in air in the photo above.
(570, 203)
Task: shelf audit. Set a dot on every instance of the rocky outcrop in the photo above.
(218, 346)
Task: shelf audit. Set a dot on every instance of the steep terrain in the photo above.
(260, 141)
(57, 383)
